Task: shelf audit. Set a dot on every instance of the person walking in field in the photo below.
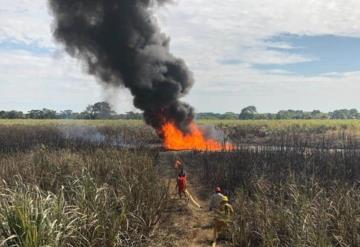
(216, 199)
(181, 184)
(179, 165)
(222, 219)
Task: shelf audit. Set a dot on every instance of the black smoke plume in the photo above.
(121, 45)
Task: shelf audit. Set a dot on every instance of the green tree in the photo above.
(99, 110)
(42, 114)
(67, 114)
(248, 112)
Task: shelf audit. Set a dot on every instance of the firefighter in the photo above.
(181, 184)
(179, 166)
(222, 219)
(216, 199)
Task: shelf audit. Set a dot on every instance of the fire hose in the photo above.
(192, 199)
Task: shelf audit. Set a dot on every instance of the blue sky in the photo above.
(10, 45)
(271, 54)
(330, 54)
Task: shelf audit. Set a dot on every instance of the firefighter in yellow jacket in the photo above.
(223, 217)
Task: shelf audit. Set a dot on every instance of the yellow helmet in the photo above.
(225, 199)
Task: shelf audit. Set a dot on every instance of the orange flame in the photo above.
(175, 139)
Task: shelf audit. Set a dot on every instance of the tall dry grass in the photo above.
(292, 214)
(23, 137)
(99, 185)
(289, 197)
(106, 197)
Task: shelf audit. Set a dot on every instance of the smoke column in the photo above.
(121, 44)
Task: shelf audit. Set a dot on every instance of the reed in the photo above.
(287, 197)
(107, 197)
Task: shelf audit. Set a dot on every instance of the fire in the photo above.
(175, 139)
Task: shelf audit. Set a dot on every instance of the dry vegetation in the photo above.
(96, 183)
(288, 197)
(105, 197)
(309, 133)
(21, 137)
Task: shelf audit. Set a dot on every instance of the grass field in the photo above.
(34, 122)
(102, 197)
(276, 125)
(270, 124)
(287, 197)
(97, 183)
(314, 133)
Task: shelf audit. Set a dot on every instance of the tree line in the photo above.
(103, 110)
(250, 112)
(99, 110)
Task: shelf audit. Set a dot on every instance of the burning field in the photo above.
(71, 185)
(122, 46)
(175, 139)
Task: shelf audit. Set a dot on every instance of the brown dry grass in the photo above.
(102, 197)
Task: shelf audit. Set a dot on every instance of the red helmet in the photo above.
(217, 189)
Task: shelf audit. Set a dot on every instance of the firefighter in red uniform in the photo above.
(181, 184)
